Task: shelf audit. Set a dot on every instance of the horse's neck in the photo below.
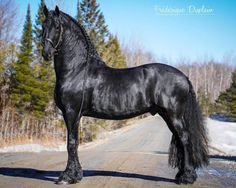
(72, 56)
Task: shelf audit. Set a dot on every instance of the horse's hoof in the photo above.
(70, 178)
(188, 177)
(183, 180)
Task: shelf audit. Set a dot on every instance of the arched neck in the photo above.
(73, 52)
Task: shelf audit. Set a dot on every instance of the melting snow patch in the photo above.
(222, 136)
(31, 148)
(213, 172)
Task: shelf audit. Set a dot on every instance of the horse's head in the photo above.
(52, 33)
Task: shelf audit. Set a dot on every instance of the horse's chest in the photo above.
(67, 93)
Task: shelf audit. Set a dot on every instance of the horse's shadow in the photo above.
(52, 175)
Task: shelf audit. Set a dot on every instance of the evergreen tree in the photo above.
(38, 31)
(23, 78)
(113, 55)
(26, 91)
(90, 16)
(227, 100)
(43, 70)
(205, 103)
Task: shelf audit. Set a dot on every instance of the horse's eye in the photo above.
(57, 27)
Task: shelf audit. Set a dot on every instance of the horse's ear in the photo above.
(45, 10)
(57, 11)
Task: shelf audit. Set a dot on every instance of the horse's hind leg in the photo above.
(73, 172)
(179, 154)
(187, 173)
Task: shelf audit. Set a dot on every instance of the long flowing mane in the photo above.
(91, 47)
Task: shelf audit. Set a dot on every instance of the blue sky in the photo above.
(168, 36)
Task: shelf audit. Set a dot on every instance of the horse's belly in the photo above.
(111, 115)
(120, 105)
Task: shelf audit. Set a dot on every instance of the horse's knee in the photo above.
(178, 127)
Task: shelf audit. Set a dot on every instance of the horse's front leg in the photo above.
(73, 172)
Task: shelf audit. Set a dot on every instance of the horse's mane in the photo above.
(91, 48)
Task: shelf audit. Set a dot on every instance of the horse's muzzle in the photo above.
(47, 56)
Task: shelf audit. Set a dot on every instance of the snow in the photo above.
(222, 136)
(31, 148)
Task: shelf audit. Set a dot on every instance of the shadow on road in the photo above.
(222, 157)
(88, 173)
(30, 173)
(52, 175)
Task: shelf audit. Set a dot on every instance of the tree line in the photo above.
(209, 78)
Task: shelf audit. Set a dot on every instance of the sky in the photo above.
(173, 30)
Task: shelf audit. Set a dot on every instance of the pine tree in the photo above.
(91, 17)
(26, 93)
(227, 99)
(205, 103)
(23, 78)
(38, 30)
(43, 70)
(113, 55)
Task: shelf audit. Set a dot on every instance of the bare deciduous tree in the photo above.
(136, 55)
(7, 20)
(209, 77)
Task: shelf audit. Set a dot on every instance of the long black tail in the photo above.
(198, 141)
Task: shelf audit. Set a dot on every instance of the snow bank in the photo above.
(222, 136)
(32, 148)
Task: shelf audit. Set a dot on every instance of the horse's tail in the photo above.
(198, 142)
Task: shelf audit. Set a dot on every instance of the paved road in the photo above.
(134, 158)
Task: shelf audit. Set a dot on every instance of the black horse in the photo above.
(86, 86)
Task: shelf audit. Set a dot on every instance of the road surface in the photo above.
(136, 157)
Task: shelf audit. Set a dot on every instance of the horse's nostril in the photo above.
(46, 56)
